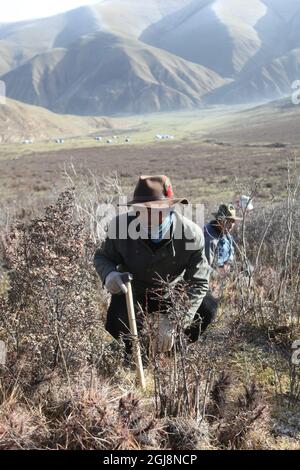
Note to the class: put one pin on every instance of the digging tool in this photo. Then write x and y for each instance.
(3, 353)
(127, 278)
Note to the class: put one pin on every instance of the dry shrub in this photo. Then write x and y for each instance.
(218, 395)
(96, 417)
(270, 224)
(111, 359)
(187, 434)
(234, 433)
(184, 379)
(176, 376)
(50, 316)
(84, 418)
(240, 418)
(21, 426)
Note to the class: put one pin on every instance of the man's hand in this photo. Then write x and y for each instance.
(114, 283)
(226, 268)
(164, 335)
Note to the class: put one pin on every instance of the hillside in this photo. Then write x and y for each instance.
(19, 121)
(275, 122)
(120, 76)
(125, 56)
(265, 83)
(127, 17)
(217, 34)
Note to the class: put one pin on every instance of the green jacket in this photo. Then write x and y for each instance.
(182, 258)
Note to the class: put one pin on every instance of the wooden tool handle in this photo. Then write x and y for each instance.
(127, 278)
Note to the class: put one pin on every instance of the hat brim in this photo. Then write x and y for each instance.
(238, 219)
(156, 203)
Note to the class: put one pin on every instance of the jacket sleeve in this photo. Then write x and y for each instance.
(210, 249)
(107, 257)
(197, 275)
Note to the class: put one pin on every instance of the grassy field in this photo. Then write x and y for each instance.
(142, 130)
(201, 171)
(204, 166)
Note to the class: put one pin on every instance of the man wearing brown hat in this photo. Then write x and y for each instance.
(219, 244)
(158, 245)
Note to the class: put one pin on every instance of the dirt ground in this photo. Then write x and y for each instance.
(204, 172)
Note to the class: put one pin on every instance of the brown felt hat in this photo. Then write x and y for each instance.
(154, 191)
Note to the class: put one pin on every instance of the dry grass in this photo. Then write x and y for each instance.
(205, 172)
(65, 385)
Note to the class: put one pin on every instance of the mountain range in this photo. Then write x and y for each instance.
(133, 57)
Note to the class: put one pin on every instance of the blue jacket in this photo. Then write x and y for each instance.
(219, 248)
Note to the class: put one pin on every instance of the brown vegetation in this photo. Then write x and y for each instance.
(65, 385)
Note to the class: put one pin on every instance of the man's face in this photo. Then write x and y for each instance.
(152, 217)
(226, 225)
(229, 225)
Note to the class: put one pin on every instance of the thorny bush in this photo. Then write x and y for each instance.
(49, 315)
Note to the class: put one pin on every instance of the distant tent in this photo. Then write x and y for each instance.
(164, 136)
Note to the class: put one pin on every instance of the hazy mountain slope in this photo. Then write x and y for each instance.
(20, 121)
(12, 55)
(279, 33)
(29, 38)
(59, 30)
(132, 17)
(251, 42)
(269, 82)
(127, 17)
(218, 34)
(274, 122)
(123, 56)
(5, 58)
(270, 73)
(294, 31)
(106, 75)
(285, 9)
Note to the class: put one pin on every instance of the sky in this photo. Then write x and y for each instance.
(19, 10)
